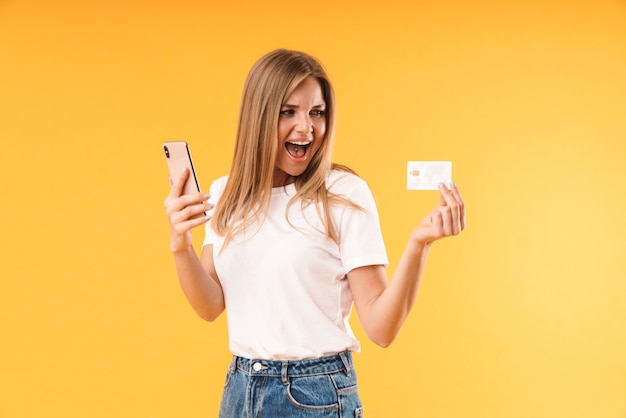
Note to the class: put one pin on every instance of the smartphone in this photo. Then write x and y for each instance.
(178, 157)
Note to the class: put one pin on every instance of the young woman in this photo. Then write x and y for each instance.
(293, 242)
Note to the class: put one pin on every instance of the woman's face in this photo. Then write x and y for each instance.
(301, 129)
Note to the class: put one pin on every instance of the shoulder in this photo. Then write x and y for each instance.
(218, 186)
(350, 186)
(221, 180)
(344, 182)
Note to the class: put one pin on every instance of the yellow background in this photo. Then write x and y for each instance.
(524, 315)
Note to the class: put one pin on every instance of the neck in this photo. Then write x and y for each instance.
(282, 179)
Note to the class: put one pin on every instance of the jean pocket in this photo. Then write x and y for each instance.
(229, 377)
(314, 393)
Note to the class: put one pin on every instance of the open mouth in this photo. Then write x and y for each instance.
(297, 149)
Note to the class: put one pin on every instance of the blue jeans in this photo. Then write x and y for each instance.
(325, 387)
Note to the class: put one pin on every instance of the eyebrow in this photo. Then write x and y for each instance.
(293, 106)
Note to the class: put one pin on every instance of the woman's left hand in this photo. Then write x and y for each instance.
(447, 219)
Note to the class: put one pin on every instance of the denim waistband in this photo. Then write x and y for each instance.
(308, 367)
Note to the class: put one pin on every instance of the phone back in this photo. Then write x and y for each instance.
(178, 157)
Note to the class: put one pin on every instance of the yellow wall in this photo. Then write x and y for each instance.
(522, 316)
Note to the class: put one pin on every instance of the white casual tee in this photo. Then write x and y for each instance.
(284, 281)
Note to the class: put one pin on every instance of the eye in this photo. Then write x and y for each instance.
(286, 112)
(317, 112)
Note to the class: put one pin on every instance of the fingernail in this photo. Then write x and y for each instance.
(452, 184)
(184, 169)
(442, 186)
(207, 196)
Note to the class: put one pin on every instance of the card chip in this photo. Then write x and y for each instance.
(427, 175)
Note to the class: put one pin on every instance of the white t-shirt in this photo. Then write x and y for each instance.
(285, 286)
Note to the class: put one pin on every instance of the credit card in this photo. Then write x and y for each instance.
(426, 175)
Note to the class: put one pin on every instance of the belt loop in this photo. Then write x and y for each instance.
(233, 365)
(344, 359)
(283, 373)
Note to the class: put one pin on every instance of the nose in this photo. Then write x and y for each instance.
(304, 123)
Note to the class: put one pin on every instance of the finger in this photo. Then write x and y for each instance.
(182, 205)
(450, 199)
(442, 199)
(436, 221)
(447, 220)
(455, 213)
(185, 226)
(456, 193)
(196, 211)
(446, 197)
(177, 187)
(193, 212)
(193, 198)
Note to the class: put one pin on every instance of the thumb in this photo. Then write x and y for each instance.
(442, 190)
(442, 200)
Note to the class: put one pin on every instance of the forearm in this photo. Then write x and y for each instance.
(203, 292)
(384, 306)
(391, 307)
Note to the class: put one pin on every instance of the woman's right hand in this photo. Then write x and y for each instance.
(184, 213)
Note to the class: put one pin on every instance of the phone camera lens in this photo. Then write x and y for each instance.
(167, 151)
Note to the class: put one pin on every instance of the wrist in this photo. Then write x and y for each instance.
(419, 241)
(417, 244)
(179, 248)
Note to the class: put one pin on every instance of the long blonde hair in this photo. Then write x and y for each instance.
(248, 190)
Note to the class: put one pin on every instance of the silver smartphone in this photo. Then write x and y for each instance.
(178, 157)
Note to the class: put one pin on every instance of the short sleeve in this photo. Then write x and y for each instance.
(215, 192)
(361, 241)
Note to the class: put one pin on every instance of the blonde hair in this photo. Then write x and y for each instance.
(248, 190)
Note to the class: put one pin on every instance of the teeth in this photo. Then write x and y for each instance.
(300, 143)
